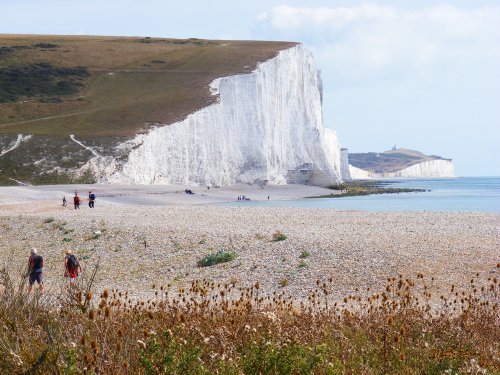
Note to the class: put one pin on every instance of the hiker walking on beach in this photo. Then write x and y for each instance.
(71, 266)
(65, 202)
(91, 199)
(35, 268)
(76, 201)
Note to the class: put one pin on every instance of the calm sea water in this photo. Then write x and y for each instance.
(479, 194)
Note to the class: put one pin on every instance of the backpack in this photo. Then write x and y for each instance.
(76, 199)
(37, 262)
(92, 196)
(72, 262)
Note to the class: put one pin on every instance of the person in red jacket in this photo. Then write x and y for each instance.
(76, 201)
(71, 266)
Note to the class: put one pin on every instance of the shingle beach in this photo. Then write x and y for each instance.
(139, 245)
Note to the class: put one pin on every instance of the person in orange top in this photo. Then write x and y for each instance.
(76, 201)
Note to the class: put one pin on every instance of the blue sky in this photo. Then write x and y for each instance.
(419, 74)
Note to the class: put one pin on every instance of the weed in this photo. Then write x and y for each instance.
(283, 282)
(48, 220)
(304, 254)
(303, 264)
(260, 236)
(66, 239)
(279, 236)
(225, 328)
(220, 256)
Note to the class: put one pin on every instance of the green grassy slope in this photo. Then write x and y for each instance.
(131, 82)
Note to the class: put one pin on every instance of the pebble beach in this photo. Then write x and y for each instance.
(139, 242)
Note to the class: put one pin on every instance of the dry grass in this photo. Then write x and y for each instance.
(229, 329)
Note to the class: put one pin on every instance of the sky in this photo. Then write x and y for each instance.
(423, 75)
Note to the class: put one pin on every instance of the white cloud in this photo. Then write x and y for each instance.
(373, 40)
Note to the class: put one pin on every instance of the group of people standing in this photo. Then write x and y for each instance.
(77, 200)
(72, 268)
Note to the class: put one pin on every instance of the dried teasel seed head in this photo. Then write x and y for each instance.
(105, 294)
(107, 312)
(87, 358)
(92, 314)
(150, 315)
(88, 296)
(93, 344)
(83, 340)
(120, 332)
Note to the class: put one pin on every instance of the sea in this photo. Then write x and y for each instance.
(470, 194)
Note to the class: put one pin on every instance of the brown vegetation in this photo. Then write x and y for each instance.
(229, 329)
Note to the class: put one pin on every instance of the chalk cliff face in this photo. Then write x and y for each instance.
(266, 127)
(345, 173)
(432, 168)
(358, 173)
(426, 169)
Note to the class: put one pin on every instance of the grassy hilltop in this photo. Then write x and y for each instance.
(113, 86)
(104, 90)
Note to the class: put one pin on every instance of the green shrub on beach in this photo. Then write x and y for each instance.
(283, 282)
(304, 254)
(220, 256)
(279, 236)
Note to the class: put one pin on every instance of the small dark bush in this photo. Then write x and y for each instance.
(45, 45)
(39, 80)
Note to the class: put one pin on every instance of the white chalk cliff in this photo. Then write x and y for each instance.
(266, 127)
(427, 169)
(345, 172)
(431, 168)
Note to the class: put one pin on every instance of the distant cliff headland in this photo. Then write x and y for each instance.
(398, 163)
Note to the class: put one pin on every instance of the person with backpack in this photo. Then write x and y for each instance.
(76, 201)
(91, 199)
(71, 266)
(35, 269)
